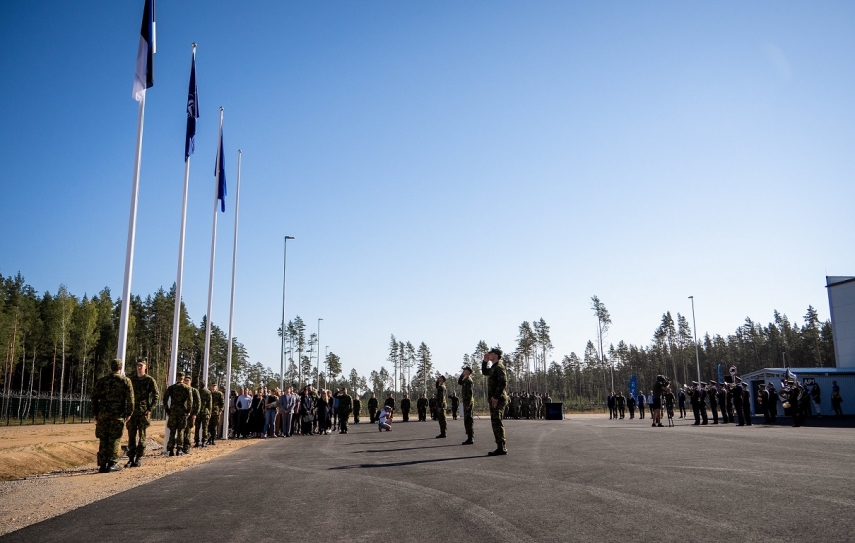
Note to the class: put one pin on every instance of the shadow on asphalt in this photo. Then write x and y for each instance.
(410, 463)
(390, 441)
(405, 449)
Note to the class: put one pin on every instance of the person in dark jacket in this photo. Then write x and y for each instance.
(630, 403)
(372, 407)
(621, 403)
(612, 403)
(405, 408)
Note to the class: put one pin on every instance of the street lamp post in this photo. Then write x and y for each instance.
(282, 343)
(327, 364)
(318, 369)
(695, 327)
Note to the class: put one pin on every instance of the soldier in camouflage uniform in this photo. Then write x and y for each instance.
(178, 400)
(146, 397)
(345, 406)
(218, 403)
(466, 384)
(497, 381)
(200, 438)
(112, 406)
(440, 399)
(194, 410)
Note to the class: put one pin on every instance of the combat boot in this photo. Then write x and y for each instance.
(130, 462)
(441, 436)
(103, 469)
(136, 463)
(196, 445)
(468, 442)
(171, 452)
(498, 452)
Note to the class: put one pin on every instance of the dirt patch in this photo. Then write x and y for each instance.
(50, 470)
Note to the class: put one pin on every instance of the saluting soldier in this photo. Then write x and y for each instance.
(194, 410)
(177, 401)
(406, 404)
(146, 397)
(466, 384)
(200, 437)
(345, 406)
(440, 399)
(112, 406)
(422, 406)
(736, 393)
(218, 403)
(497, 382)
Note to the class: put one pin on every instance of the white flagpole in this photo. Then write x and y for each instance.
(232, 303)
(176, 319)
(211, 277)
(132, 233)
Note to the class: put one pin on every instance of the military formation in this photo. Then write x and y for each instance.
(119, 402)
(527, 405)
(717, 402)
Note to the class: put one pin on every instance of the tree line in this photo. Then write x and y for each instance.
(57, 344)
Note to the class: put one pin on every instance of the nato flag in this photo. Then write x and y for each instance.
(220, 172)
(192, 111)
(144, 77)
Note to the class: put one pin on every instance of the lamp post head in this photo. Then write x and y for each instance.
(289, 237)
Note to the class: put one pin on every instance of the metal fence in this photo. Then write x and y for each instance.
(21, 410)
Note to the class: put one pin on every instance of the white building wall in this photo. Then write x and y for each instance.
(841, 301)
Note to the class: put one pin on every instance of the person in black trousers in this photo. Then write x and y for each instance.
(630, 403)
(612, 403)
(681, 403)
(694, 392)
(405, 408)
(712, 392)
(722, 403)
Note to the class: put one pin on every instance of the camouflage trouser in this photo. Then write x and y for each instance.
(342, 420)
(184, 441)
(109, 430)
(201, 435)
(214, 425)
(137, 426)
(468, 423)
(440, 416)
(176, 424)
(496, 421)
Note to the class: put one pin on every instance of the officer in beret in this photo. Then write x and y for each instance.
(497, 382)
(466, 384)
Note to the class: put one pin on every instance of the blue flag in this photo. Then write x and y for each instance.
(144, 77)
(633, 384)
(192, 111)
(220, 173)
(720, 378)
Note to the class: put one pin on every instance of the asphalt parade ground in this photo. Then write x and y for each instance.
(582, 479)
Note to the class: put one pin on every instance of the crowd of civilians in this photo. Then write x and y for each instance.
(274, 413)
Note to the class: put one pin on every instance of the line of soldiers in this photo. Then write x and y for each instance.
(527, 405)
(731, 400)
(191, 408)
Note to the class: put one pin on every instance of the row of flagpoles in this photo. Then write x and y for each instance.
(143, 80)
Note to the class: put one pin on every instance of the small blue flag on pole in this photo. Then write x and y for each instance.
(220, 173)
(144, 77)
(633, 384)
(192, 110)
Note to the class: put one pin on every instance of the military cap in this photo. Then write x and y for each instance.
(116, 364)
(179, 375)
(467, 368)
(712, 382)
(695, 382)
(142, 362)
(497, 351)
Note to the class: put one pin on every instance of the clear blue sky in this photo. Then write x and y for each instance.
(449, 169)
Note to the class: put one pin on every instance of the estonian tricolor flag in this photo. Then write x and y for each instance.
(144, 77)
